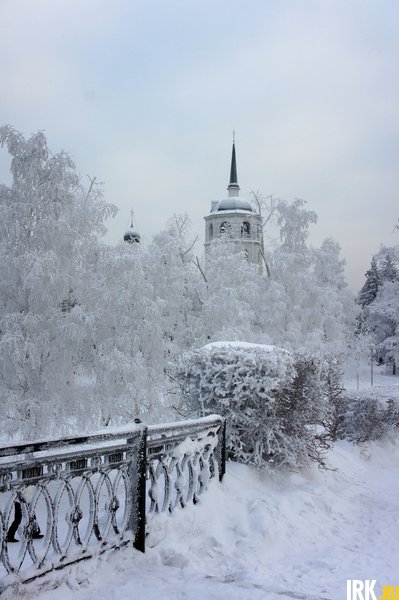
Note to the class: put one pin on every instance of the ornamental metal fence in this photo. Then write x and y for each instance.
(181, 459)
(65, 500)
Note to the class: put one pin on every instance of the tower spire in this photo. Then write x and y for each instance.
(233, 187)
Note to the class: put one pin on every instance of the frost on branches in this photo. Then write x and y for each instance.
(88, 333)
(366, 416)
(307, 306)
(85, 330)
(48, 239)
(274, 401)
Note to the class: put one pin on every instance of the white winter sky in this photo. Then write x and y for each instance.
(145, 95)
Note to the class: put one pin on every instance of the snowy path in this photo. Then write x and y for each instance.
(254, 538)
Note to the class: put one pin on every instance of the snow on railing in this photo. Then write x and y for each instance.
(65, 500)
(181, 458)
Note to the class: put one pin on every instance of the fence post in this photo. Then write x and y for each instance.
(140, 493)
(222, 450)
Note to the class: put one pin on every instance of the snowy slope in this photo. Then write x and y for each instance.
(299, 536)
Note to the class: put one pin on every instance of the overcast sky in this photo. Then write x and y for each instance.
(145, 95)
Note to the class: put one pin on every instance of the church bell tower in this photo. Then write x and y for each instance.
(234, 219)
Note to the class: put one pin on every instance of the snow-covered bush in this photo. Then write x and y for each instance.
(357, 416)
(274, 401)
(363, 417)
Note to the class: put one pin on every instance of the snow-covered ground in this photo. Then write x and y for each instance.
(384, 383)
(253, 537)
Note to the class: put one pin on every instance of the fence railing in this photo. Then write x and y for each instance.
(64, 500)
(181, 458)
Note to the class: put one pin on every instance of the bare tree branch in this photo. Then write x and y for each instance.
(197, 264)
(92, 182)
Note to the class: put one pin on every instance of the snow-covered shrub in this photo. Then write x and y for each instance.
(274, 401)
(309, 405)
(353, 415)
(363, 417)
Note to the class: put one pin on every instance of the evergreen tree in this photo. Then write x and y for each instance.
(369, 291)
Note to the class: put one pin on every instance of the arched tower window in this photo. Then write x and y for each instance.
(211, 231)
(225, 228)
(246, 229)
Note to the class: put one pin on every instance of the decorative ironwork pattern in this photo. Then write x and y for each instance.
(181, 459)
(65, 500)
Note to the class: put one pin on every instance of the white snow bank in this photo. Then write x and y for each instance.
(257, 538)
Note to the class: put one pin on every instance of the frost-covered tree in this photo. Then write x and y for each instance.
(233, 296)
(307, 306)
(288, 304)
(294, 221)
(389, 271)
(387, 301)
(128, 361)
(176, 284)
(49, 229)
(335, 310)
(379, 299)
(384, 313)
(329, 266)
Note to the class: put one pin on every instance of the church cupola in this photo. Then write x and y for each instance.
(131, 235)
